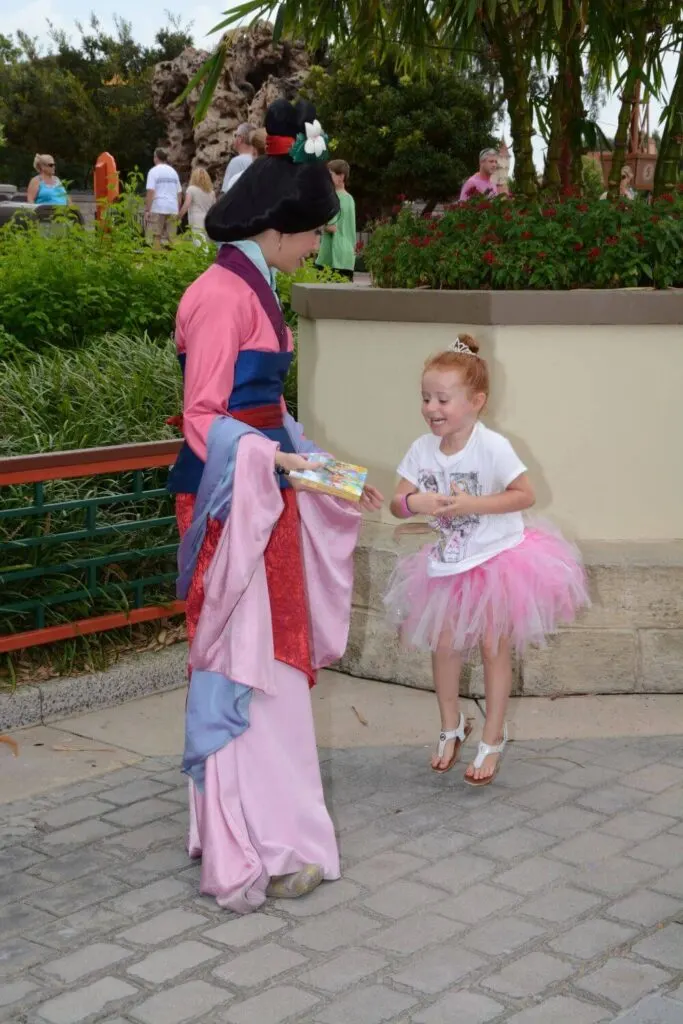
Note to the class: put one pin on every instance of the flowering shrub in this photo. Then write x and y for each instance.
(515, 244)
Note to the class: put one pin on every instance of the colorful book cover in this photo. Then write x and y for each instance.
(340, 479)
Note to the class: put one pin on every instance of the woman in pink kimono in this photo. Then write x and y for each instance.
(266, 571)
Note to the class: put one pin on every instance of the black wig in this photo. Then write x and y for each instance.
(275, 193)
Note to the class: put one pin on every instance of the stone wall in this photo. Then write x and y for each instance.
(256, 72)
(586, 385)
(629, 641)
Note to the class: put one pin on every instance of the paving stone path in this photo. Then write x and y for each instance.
(553, 897)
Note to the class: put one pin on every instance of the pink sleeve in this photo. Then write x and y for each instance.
(211, 339)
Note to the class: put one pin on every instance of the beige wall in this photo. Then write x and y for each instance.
(596, 412)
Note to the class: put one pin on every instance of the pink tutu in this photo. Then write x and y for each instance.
(522, 594)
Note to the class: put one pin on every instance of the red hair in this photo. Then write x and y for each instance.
(474, 369)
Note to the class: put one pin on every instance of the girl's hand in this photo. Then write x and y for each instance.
(465, 504)
(431, 504)
(371, 499)
(290, 463)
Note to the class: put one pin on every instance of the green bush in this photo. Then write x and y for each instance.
(76, 284)
(516, 244)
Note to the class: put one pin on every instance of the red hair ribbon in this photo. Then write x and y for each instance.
(278, 145)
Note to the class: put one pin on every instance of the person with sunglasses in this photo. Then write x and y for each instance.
(46, 189)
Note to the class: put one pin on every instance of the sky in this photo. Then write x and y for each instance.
(146, 18)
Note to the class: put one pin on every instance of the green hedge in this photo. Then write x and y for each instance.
(515, 244)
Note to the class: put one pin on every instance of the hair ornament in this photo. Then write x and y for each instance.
(460, 346)
(311, 146)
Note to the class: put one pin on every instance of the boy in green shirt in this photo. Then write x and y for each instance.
(338, 244)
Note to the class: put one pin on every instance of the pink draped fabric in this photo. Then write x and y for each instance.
(263, 812)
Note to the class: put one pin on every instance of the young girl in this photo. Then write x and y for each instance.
(487, 582)
(338, 245)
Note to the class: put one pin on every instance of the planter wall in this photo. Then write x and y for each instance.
(586, 385)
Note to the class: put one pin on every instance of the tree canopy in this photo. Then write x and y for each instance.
(82, 98)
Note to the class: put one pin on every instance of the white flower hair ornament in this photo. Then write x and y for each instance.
(311, 146)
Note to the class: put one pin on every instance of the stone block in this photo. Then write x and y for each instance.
(83, 892)
(18, 885)
(644, 908)
(166, 964)
(17, 954)
(502, 935)
(155, 895)
(374, 651)
(16, 992)
(79, 1004)
(162, 928)
(339, 928)
(535, 874)
(623, 981)
(592, 938)
(277, 1004)
(141, 813)
(140, 839)
(439, 969)
(656, 1009)
(560, 905)
(462, 1006)
(664, 947)
(618, 875)
(589, 848)
(415, 933)
(244, 931)
(529, 975)
(78, 835)
(72, 865)
(401, 898)
(666, 850)
(478, 902)
(456, 873)
(343, 971)
(655, 778)
(183, 1003)
(154, 865)
(89, 960)
(372, 1005)
(634, 592)
(566, 821)
(561, 1010)
(75, 811)
(583, 661)
(384, 868)
(19, 858)
(662, 660)
(139, 789)
(258, 966)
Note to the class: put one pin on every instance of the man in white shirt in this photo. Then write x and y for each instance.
(244, 155)
(162, 200)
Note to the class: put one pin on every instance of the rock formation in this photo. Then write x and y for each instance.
(256, 72)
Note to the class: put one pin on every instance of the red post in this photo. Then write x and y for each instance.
(106, 183)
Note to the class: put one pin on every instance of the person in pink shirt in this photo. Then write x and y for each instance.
(482, 182)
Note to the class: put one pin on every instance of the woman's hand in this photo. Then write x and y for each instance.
(371, 499)
(431, 504)
(288, 462)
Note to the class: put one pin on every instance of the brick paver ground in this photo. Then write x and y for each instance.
(553, 897)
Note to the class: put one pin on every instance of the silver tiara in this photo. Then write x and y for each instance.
(460, 346)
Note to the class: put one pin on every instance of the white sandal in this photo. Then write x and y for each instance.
(459, 735)
(483, 751)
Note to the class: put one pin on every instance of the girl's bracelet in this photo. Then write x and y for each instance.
(405, 507)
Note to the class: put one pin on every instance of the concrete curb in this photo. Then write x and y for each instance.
(136, 675)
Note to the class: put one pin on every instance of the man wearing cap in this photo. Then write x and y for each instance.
(482, 182)
(244, 155)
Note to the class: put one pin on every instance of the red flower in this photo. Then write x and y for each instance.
(593, 253)
(484, 205)
(549, 211)
(462, 226)
(611, 240)
(655, 219)
(640, 239)
(578, 246)
(489, 257)
(541, 255)
(582, 207)
(666, 197)
(360, 246)
(401, 198)
(526, 235)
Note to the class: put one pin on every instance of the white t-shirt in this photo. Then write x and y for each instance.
(201, 203)
(163, 180)
(235, 168)
(486, 465)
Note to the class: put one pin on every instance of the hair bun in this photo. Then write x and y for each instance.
(287, 119)
(468, 340)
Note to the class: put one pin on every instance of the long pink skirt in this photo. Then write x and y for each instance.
(522, 594)
(262, 812)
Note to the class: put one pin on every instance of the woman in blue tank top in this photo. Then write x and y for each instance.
(46, 189)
